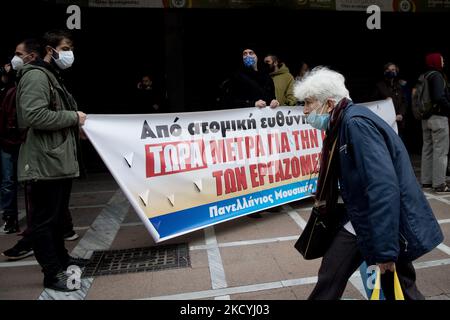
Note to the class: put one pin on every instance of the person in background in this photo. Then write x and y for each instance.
(304, 69)
(8, 205)
(148, 98)
(282, 79)
(390, 87)
(5, 78)
(435, 130)
(250, 87)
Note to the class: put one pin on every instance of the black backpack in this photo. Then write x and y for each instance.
(422, 106)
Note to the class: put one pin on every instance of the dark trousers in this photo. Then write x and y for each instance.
(343, 258)
(50, 200)
(26, 240)
(8, 183)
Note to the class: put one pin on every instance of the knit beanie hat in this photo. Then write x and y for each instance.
(433, 60)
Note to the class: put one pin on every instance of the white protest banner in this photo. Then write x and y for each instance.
(385, 110)
(188, 171)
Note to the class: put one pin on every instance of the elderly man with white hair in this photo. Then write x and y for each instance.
(388, 221)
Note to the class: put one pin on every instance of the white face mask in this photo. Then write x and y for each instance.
(65, 60)
(17, 63)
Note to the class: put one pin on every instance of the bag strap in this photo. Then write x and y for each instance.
(328, 166)
(397, 287)
(376, 290)
(429, 73)
(427, 76)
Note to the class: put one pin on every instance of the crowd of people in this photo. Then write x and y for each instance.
(41, 128)
(40, 148)
(272, 85)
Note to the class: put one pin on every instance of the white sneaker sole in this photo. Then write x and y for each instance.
(72, 238)
(25, 255)
(442, 192)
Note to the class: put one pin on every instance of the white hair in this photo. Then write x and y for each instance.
(321, 83)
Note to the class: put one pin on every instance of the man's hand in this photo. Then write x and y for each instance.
(260, 104)
(83, 135)
(399, 117)
(388, 266)
(81, 118)
(274, 103)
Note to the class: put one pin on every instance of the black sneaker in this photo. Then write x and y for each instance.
(59, 282)
(443, 189)
(80, 262)
(71, 236)
(11, 225)
(19, 251)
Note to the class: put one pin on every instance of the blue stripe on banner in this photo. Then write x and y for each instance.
(211, 213)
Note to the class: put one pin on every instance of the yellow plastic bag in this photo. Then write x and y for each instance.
(397, 288)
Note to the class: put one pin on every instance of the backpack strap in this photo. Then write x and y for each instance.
(428, 74)
(56, 85)
(51, 81)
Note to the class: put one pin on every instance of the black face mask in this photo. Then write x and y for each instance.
(267, 68)
(390, 74)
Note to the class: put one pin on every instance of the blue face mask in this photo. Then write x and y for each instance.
(318, 121)
(249, 61)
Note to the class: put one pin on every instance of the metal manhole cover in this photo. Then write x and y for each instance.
(138, 260)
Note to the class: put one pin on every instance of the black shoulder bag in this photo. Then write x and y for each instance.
(322, 225)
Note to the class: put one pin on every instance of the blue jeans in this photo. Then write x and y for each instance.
(8, 184)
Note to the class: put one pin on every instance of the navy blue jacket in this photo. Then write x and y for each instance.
(385, 203)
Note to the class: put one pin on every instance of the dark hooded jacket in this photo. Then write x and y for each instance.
(246, 87)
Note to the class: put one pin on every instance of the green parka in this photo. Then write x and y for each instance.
(284, 86)
(48, 110)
